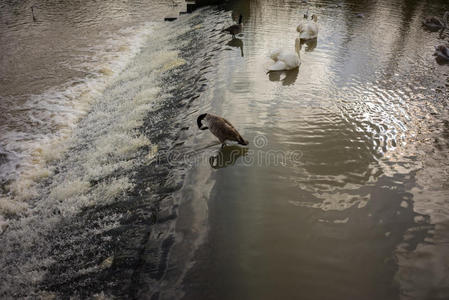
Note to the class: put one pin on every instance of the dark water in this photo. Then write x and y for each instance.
(342, 193)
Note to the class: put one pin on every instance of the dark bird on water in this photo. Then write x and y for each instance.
(433, 23)
(32, 12)
(221, 128)
(442, 52)
(236, 28)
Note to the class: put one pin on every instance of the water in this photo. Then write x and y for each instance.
(114, 192)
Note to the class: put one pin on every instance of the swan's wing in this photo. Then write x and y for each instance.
(278, 66)
(304, 33)
(314, 28)
(309, 32)
(290, 59)
(274, 55)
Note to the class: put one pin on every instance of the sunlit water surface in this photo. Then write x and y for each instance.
(342, 194)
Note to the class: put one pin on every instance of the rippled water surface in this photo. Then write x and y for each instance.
(111, 190)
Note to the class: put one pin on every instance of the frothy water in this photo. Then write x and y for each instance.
(53, 69)
(110, 178)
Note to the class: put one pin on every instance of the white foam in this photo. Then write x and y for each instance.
(69, 189)
(87, 163)
(11, 207)
(60, 108)
(110, 129)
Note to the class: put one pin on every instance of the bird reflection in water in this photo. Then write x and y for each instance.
(287, 77)
(236, 43)
(310, 44)
(227, 156)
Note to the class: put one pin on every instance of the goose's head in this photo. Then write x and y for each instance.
(200, 123)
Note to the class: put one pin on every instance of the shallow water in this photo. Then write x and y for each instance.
(341, 194)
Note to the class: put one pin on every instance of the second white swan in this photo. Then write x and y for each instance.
(308, 29)
(285, 59)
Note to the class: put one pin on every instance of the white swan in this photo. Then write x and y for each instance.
(285, 59)
(308, 29)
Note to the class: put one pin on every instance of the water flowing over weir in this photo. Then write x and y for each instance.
(104, 222)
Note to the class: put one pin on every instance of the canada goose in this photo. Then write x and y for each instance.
(309, 29)
(285, 59)
(221, 128)
(442, 52)
(32, 12)
(433, 23)
(236, 28)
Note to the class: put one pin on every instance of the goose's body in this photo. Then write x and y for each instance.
(284, 60)
(236, 28)
(433, 23)
(221, 128)
(442, 51)
(308, 29)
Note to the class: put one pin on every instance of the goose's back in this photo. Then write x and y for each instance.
(221, 128)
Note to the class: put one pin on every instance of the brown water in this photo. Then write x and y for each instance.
(342, 193)
(363, 213)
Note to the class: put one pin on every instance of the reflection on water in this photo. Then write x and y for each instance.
(310, 44)
(227, 156)
(236, 43)
(287, 77)
(349, 221)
